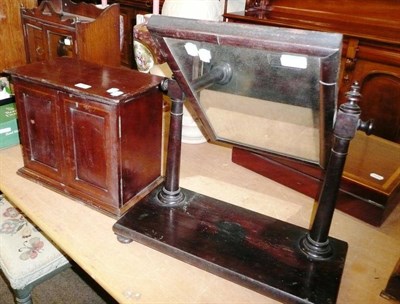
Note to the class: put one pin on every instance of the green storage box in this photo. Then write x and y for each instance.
(9, 133)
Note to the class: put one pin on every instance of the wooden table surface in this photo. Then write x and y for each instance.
(134, 273)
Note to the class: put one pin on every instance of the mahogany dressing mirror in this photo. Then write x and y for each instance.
(263, 89)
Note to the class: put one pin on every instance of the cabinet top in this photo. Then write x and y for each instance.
(111, 84)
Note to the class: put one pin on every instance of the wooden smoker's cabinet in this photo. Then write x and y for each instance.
(62, 28)
(79, 139)
(371, 49)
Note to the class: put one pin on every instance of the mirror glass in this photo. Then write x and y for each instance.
(269, 101)
(276, 93)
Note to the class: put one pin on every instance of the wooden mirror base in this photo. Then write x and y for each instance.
(248, 248)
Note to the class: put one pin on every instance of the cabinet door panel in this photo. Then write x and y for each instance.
(40, 121)
(91, 141)
(381, 98)
(35, 43)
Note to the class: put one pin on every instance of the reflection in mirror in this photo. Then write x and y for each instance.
(265, 101)
(256, 87)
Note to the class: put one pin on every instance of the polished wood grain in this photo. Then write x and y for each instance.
(11, 37)
(255, 251)
(93, 32)
(361, 195)
(344, 16)
(128, 10)
(104, 150)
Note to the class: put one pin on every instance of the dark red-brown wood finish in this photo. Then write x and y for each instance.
(278, 259)
(128, 11)
(104, 150)
(92, 33)
(360, 195)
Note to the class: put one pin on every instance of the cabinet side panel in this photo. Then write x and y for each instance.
(141, 142)
(98, 41)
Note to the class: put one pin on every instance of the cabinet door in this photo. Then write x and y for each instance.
(38, 113)
(35, 43)
(46, 42)
(91, 141)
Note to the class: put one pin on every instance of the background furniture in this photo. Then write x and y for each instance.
(63, 28)
(27, 257)
(128, 10)
(371, 50)
(9, 131)
(11, 33)
(90, 131)
(136, 273)
(370, 187)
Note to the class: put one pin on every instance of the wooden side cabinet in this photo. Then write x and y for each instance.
(90, 131)
(62, 28)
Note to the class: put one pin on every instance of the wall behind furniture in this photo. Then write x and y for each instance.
(11, 37)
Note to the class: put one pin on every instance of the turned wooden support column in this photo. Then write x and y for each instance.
(171, 194)
(316, 243)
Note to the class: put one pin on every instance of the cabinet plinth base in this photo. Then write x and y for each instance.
(248, 248)
(111, 210)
